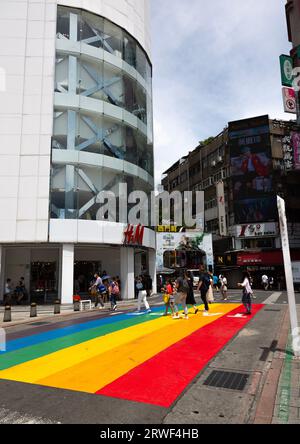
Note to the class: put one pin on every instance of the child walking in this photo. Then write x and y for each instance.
(169, 298)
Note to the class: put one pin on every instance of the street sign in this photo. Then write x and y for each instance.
(289, 100)
(286, 65)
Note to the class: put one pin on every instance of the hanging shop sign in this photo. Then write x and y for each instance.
(288, 153)
(289, 100)
(286, 66)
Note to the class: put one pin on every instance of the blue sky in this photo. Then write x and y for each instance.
(213, 61)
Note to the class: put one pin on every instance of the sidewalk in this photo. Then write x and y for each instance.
(280, 397)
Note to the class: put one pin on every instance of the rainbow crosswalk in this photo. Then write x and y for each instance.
(148, 358)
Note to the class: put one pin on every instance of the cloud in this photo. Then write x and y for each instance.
(213, 62)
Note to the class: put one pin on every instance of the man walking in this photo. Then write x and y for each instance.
(203, 286)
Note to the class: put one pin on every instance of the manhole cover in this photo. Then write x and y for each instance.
(272, 309)
(227, 380)
(40, 323)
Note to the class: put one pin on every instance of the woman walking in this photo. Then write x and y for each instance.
(210, 294)
(247, 292)
(142, 297)
(224, 287)
(190, 300)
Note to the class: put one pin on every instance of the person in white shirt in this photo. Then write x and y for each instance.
(265, 281)
(247, 292)
(224, 288)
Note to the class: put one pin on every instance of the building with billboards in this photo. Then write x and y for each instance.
(75, 120)
(241, 171)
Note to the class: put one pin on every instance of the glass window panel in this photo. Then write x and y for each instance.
(63, 23)
(129, 50)
(113, 39)
(113, 90)
(91, 30)
(141, 61)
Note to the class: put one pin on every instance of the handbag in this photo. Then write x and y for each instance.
(166, 298)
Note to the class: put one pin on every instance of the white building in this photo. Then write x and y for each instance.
(75, 119)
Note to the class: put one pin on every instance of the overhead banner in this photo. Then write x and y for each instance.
(289, 100)
(221, 208)
(286, 66)
(251, 171)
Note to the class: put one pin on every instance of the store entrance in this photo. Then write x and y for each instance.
(84, 274)
(43, 282)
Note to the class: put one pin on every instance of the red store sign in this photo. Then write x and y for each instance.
(134, 235)
(264, 258)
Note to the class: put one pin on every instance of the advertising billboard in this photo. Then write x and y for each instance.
(183, 250)
(251, 170)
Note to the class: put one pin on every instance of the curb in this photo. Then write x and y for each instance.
(266, 404)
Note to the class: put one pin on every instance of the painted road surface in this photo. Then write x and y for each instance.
(147, 358)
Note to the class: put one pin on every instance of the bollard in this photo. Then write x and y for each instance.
(7, 314)
(57, 307)
(33, 312)
(76, 306)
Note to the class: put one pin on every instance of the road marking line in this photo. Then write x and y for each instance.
(273, 298)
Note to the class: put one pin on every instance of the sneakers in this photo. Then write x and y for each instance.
(205, 313)
(176, 317)
(114, 308)
(149, 311)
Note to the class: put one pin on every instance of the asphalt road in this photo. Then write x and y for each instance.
(191, 349)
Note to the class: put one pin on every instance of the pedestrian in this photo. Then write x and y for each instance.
(224, 288)
(265, 282)
(271, 282)
(190, 300)
(118, 281)
(8, 292)
(148, 285)
(169, 298)
(216, 281)
(142, 297)
(136, 290)
(20, 291)
(247, 292)
(203, 286)
(98, 289)
(210, 293)
(182, 287)
(114, 292)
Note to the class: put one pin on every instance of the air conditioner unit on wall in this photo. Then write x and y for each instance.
(220, 159)
(213, 164)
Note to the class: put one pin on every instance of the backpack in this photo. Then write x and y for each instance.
(185, 285)
(139, 286)
(115, 288)
(101, 288)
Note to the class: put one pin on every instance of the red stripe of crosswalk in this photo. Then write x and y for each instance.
(161, 379)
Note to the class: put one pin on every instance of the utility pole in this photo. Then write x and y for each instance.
(289, 276)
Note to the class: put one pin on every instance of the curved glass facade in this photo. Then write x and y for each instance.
(103, 114)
